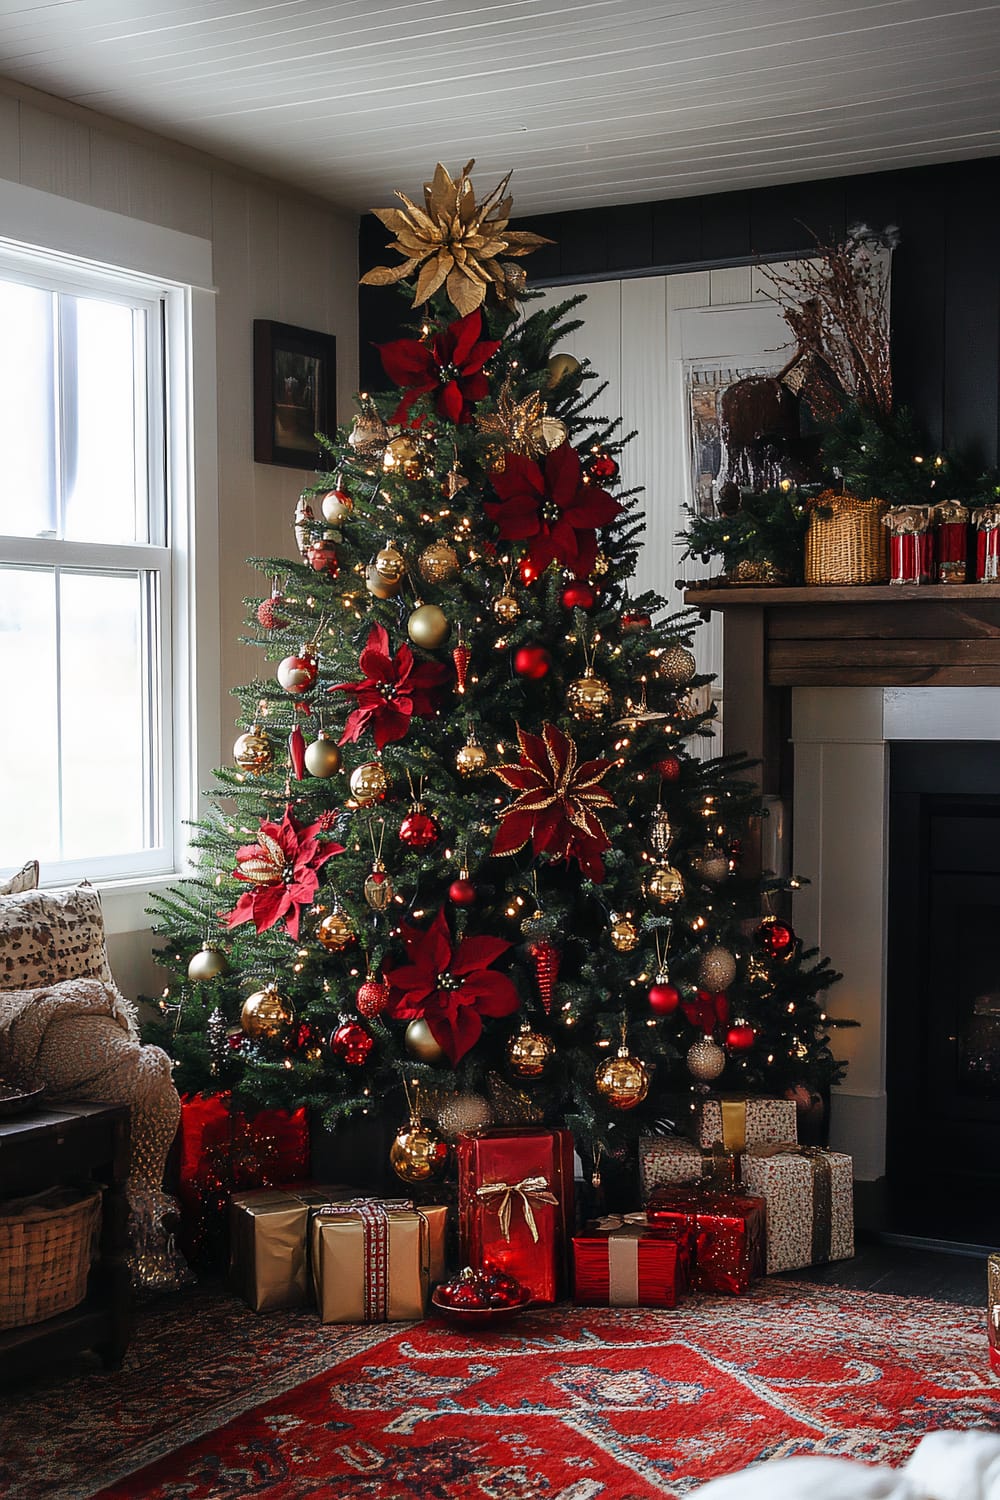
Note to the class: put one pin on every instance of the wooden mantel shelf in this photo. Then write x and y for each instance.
(724, 596)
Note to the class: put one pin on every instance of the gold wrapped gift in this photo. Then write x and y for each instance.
(375, 1262)
(268, 1243)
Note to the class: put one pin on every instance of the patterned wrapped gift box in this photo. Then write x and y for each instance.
(625, 1262)
(810, 1203)
(665, 1160)
(373, 1261)
(993, 1310)
(729, 1234)
(738, 1120)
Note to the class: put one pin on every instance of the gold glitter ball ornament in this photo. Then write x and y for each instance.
(588, 697)
(266, 1013)
(253, 752)
(421, 1043)
(529, 1052)
(438, 563)
(322, 756)
(624, 935)
(428, 626)
(717, 969)
(369, 435)
(369, 783)
(705, 1060)
(622, 1081)
(665, 885)
(676, 666)
(710, 864)
(418, 1153)
(506, 609)
(336, 931)
(462, 1113)
(208, 963)
(390, 564)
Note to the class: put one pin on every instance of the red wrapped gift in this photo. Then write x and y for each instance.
(624, 1261)
(729, 1234)
(987, 523)
(952, 541)
(223, 1150)
(515, 1205)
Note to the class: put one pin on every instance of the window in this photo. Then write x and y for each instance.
(97, 551)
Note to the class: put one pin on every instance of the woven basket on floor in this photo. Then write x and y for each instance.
(846, 541)
(46, 1246)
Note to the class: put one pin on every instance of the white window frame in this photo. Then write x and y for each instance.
(71, 246)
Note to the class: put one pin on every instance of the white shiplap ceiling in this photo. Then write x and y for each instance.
(594, 102)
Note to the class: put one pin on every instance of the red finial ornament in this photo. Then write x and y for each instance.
(545, 957)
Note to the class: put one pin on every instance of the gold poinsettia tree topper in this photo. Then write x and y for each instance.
(456, 242)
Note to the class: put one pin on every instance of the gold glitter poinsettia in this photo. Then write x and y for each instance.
(520, 427)
(456, 241)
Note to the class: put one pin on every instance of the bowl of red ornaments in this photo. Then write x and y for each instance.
(478, 1298)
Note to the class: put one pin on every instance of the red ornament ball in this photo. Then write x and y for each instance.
(297, 674)
(462, 892)
(532, 662)
(419, 830)
(528, 571)
(579, 595)
(502, 1290)
(470, 1294)
(322, 557)
(373, 997)
(776, 939)
(740, 1038)
(664, 999)
(268, 612)
(351, 1043)
(668, 768)
(602, 466)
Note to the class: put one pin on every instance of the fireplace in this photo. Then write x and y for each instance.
(943, 992)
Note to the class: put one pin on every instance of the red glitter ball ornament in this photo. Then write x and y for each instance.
(601, 466)
(372, 997)
(775, 938)
(740, 1037)
(269, 612)
(579, 595)
(418, 829)
(668, 768)
(532, 662)
(664, 999)
(462, 892)
(351, 1043)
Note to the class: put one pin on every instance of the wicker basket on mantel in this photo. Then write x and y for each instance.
(846, 541)
(46, 1247)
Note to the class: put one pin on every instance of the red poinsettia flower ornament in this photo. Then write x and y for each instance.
(452, 986)
(283, 869)
(707, 1010)
(556, 806)
(551, 509)
(393, 689)
(450, 366)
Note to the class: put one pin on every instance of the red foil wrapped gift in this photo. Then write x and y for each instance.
(729, 1234)
(624, 1261)
(515, 1205)
(951, 520)
(222, 1151)
(986, 520)
(911, 544)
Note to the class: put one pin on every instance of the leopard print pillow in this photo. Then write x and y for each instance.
(48, 936)
(26, 879)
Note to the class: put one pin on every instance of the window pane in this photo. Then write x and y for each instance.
(27, 395)
(103, 714)
(29, 759)
(105, 406)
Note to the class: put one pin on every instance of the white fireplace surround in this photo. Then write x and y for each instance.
(841, 804)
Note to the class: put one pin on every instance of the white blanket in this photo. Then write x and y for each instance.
(944, 1466)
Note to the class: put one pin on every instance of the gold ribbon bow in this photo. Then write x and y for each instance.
(528, 1189)
(610, 1222)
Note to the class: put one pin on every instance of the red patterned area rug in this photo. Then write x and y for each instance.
(568, 1404)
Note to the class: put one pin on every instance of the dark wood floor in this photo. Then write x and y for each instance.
(906, 1271)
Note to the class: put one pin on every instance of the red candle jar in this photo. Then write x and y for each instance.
(952, 541)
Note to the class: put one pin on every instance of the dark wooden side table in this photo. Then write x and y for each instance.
(73, 1145)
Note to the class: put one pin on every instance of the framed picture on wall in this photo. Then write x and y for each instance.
(294, 393)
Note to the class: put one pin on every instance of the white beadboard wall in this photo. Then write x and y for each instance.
(276, 254)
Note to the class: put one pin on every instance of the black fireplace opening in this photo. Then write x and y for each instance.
(943, 992)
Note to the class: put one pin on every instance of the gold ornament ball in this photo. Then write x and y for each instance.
(471, 760)
(322, 757)
(588, 697)
(717, 969)
(602, 565)
(418, 1153)
(529, 1052)
(705, 1060)
(379, 587)
(337, 507)
(559, 367)
(665, 885)
(624, 936)
(253, 752)
(676, 666)
(369, 782)
(266, 1013)
(428, 627)
(208, 963)
(438, 563)
(399, 451)
(390, 564)
(336, 931)
(420, 1042)
(506, 609)
(622, 1081)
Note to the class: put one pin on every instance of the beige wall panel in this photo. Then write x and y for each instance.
(10, 139)
(110, 171)
(55, 154)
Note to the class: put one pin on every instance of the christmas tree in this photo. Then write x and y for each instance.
(464, 862)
